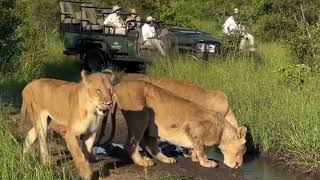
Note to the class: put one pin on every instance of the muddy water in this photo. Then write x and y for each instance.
(255, 168)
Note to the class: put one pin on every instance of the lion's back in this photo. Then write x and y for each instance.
(54, 96)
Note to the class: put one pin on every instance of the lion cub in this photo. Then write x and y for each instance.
(79, 107)
(178, 121)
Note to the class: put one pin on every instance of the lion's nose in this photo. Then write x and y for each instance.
(105, 106)
(109, 102)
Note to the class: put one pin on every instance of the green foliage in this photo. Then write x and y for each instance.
(40, 23)
(305, 44)
(294, 75)
(177, 13)
(10, 46)
(230, 44)
(274, 27)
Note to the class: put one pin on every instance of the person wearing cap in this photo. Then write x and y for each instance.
(132, 19)
(232, 26)
(115, 20)
(149, 35)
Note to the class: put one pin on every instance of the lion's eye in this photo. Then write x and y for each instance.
(99, 91)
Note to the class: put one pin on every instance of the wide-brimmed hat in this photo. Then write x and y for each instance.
(149, 19)
(116, 8)
(133, 11)
(236, 11)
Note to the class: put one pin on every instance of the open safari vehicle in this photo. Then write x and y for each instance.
(98, 45)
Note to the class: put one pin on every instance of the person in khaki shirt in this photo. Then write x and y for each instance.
(115, 20)
(150, 36)
(131, 21)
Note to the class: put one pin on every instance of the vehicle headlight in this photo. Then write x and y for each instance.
(201, 46)
(211, 48)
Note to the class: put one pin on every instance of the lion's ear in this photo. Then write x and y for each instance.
(242, 131)
(84, 76)
(110, 74)
(107, 71)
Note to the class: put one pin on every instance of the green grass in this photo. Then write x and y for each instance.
(282, 120)
(14, 165)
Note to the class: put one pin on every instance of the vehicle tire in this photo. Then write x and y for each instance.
(94, 60)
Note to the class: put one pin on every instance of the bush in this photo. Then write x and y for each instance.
(10, 46)
(39, 23)
(176, 13)
(294, 75)
(305, 44)
(274, 27)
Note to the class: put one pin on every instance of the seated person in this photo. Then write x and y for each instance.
(132, 19)
(232, 26)
(149, 36)
(115, 20)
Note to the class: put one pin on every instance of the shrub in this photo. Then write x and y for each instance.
(305, 44)
(10, 46)
(294, 75)
(274, 27)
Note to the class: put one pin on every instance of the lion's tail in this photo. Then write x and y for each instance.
(26, 106)
(23, 111)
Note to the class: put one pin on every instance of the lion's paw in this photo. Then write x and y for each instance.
(147, 162)
(169, 160)
(208, 164)
(85, 172)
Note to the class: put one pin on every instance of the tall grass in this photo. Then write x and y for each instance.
(281, 120)
(14, 165)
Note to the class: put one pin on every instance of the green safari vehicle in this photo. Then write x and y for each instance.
(99, 46)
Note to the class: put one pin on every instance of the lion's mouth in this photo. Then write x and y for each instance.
(104, 107)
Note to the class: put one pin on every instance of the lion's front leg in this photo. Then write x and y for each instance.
(189, 153)
(89, 142)
(202, 158)
(153, 149)
(194, 131)
(80, 162)
(132, 148)
(135, 135)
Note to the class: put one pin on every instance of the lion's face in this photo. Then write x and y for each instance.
(99, 89)
(233, 147)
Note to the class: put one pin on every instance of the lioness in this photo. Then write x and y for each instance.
(214, 100)
(178, 121)
(79, 107)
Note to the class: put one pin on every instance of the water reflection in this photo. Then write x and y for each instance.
(255, 168)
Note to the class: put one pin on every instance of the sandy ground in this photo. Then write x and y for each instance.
(120, 167)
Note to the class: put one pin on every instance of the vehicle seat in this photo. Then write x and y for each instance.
(67, 15)
(89, 19)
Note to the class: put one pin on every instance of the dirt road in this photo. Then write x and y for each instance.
(124, 169)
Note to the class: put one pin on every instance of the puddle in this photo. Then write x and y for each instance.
(259, 169)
